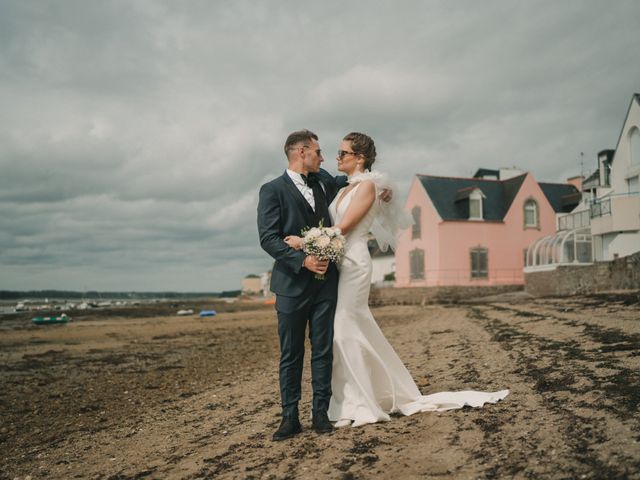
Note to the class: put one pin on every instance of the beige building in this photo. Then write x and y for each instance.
(252, 285)
(383, 265)
(606, 223)
(265, 280)
(615, 213)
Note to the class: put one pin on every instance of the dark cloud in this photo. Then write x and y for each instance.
(134, 136)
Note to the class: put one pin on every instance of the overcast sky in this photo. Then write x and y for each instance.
(134, 135)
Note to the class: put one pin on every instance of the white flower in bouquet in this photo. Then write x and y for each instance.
(326, 243)
(313, 232)
(337, 243)
(323, 241)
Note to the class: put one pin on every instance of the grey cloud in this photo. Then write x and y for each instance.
(138, 134)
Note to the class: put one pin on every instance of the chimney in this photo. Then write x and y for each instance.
(576, 182)
(605, 158)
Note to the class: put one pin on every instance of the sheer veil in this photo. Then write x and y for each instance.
(390, 217)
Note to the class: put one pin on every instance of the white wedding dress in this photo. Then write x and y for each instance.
(369, 380)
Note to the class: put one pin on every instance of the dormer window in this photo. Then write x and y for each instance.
(475, 205)
(471, 199)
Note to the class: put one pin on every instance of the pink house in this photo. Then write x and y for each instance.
(475, 231)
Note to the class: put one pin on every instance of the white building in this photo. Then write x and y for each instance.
(265, 280)
(606, 223)
(251, 285)
(383, 264)
(615, 213)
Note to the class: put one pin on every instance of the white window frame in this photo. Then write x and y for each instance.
(476, 196)
(634, 147)
(536, 213)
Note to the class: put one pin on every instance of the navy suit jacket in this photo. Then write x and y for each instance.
(282, 211)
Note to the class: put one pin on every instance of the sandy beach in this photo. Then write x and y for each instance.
(142, 393)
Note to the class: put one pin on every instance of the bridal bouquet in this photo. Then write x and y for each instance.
(326, 243)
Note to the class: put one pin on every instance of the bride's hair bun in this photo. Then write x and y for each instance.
(363, 145)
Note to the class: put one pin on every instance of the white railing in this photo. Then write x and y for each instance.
(602, 206)
(574, 220)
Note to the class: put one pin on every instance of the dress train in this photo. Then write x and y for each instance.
(369, 380)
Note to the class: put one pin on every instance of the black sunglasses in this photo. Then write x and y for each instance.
(343, 153)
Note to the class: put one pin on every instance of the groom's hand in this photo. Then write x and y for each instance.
(316, 265)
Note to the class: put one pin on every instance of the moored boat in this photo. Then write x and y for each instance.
(50, 320)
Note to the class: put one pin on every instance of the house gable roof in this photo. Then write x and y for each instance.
(444, 191)
(634, 98)
(592, 180)
(465, 193)
(563, 197)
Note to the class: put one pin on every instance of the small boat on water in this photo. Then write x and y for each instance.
(185, 312)
(20, 307)
(50, 320)
(208, 313)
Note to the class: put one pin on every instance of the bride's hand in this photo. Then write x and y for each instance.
(293, 241)
(386, 195)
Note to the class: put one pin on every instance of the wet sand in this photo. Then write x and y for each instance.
(140, 393)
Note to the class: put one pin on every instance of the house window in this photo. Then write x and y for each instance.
(634, 149)
(479, 263)
(633, 184)
(416, 261)
(415, 229)
(530, 214)
(606, 168)
(475, 205)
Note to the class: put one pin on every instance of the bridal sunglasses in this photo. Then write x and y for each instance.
(344, 153)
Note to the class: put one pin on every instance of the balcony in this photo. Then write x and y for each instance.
(615, 213)
(574, 220)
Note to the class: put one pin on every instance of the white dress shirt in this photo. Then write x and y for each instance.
(305, 189)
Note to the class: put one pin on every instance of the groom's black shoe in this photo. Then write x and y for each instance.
(289, 427)
(321, 423)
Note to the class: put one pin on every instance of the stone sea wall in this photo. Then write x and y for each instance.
(619, 274)
(427, 295)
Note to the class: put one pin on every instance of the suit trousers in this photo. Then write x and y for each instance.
(316, 307)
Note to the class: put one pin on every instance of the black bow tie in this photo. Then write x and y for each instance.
(310, 179)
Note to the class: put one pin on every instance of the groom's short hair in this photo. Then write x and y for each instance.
(298, 137)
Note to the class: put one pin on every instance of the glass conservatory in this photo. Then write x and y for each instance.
(566, 247)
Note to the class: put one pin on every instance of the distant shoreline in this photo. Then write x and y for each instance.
(41, 295)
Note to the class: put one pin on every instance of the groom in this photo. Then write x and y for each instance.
(299, 199)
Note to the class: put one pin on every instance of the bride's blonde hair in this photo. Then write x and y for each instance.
(363, 145)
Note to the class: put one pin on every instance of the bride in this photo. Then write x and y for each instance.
(369, 380)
